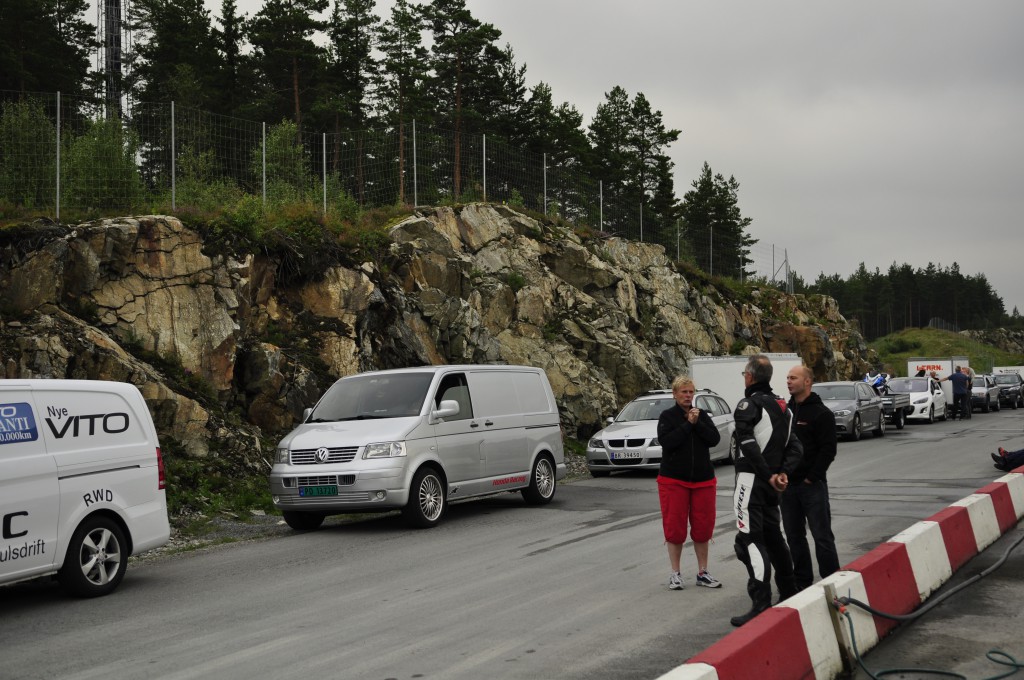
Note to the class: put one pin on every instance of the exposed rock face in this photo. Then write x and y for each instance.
(211, 339)
(1008, 340)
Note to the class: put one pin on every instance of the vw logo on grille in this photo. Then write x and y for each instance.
(322, 454)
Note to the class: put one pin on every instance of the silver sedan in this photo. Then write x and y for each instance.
(857, 408)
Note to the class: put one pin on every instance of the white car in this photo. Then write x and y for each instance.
(927, 400)
(630, 442)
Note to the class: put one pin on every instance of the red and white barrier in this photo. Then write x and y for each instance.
(896, 577)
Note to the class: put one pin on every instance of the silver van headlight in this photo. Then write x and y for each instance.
(282, 455)
(384, 450)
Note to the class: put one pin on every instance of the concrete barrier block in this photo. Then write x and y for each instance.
(851, 584)
(983, 518)
(1015, 482)
(928, 557)
(958, 534)
(889, 582)
(691, 671)
(816, 620)
(769, 646)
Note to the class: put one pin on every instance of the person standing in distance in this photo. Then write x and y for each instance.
(805, 503)
(766, 455)
(961, 392)
(686, 481)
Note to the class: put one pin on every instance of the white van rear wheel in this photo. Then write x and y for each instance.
(96, 559)
(427, 501)
(542, 482)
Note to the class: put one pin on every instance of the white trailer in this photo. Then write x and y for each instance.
(996, 370)
(723, 374)
(941, 366)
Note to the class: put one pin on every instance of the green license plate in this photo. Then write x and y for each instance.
(306, 491)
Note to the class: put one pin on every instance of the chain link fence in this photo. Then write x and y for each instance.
(60, 155)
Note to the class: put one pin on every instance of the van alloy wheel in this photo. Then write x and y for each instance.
(96, 559)
(426, 503)
(542, 482)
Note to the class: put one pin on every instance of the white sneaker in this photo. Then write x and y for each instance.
(707, 580)
(675, 581)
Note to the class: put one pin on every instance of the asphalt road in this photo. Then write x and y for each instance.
(575, 589)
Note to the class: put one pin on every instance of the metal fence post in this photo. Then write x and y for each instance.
(415, 198)
(264, 164)
(545, 184)
(58, 156)
(325, 174)
(485, 168)
(600, 201)
(173, 185)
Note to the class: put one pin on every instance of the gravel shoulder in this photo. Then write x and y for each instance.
(227, 528)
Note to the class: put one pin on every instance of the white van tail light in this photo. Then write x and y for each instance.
(161, 475)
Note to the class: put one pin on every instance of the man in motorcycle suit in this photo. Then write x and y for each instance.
(767, 454)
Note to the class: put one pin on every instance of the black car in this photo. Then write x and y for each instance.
(1011, 389)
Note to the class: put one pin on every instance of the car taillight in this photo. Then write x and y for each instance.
(161, 475)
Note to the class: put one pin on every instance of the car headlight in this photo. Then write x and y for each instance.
(842, 412)
(922, 400)
(384, 450)
(282, 455)
(655, 442)
(595, 444)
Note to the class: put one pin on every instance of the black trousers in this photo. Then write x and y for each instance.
(807, 506)
(761, 547)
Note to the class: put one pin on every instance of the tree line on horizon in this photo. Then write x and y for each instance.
(908, 297)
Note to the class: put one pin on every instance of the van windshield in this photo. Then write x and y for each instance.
(394, 395)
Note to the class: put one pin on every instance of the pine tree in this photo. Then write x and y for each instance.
(228, 40)
(712, 220)
(353, 34)
(175, 55)
(286, 60)
(45, 46)
(461, 43)
(403, 70)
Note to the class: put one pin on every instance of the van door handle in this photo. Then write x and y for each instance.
(474, 424)
(488, 422)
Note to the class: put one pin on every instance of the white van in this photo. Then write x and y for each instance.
(81, 482)
(417, 438)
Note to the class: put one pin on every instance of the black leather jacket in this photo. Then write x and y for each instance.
(778, 450)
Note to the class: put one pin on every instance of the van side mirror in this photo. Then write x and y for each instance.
(306, 413)
(611, 419)
(447, 409)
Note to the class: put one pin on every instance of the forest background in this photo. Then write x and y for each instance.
(315, 67)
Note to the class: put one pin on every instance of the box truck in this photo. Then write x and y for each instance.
(941, 366)
(723, 374)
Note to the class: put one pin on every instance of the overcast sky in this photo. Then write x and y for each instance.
(872, 131)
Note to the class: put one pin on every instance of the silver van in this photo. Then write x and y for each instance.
(416, 439)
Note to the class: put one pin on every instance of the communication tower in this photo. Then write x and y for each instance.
(114, 38)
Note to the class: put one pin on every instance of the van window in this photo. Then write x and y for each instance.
(453, 386)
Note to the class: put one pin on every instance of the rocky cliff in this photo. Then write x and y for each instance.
(228, 346)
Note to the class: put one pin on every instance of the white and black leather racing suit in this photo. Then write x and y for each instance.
(766, 447)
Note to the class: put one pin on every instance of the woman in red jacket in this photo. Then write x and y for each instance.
(686, 481)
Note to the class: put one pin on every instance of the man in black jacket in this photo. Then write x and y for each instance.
(805, 503)
(767, 455)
